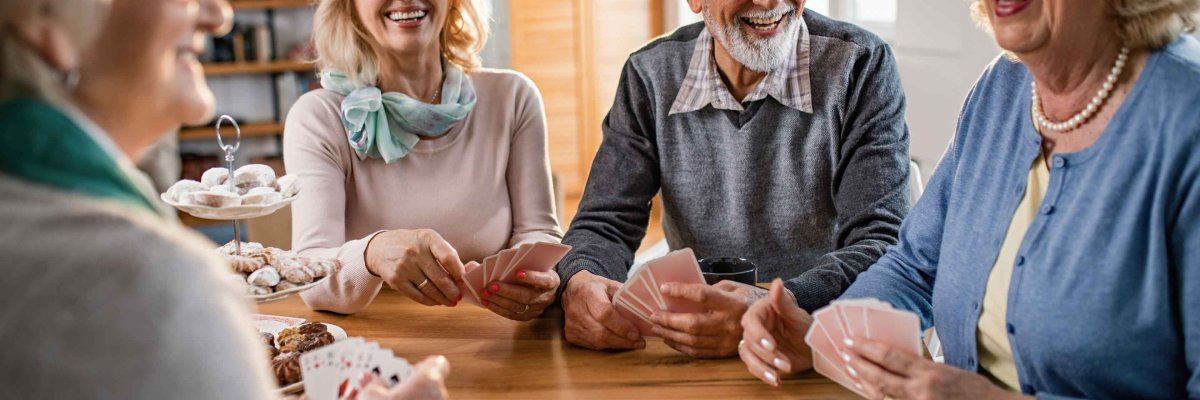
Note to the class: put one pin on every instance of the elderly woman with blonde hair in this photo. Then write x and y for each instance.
(1057, 248)
(414, 159)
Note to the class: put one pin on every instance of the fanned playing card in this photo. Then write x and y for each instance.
(676, 267)
(331, 371)
(541, 257)
(861, 318)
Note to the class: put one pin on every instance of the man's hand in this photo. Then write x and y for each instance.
(773, 337)
(591, 319)
(711, 334)
(418, 263)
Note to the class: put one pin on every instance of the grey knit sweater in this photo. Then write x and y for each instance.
(811, 198)
(99, 301)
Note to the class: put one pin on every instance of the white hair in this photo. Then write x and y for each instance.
(762, 55)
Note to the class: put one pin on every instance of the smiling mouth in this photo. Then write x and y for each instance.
(407, 16)
(764, 23)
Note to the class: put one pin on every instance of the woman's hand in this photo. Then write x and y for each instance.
(418, 263)
(426, 383)
(886, 372)
(773, 336)
(521, 301)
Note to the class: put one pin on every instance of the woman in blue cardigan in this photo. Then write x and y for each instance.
(1062, 226)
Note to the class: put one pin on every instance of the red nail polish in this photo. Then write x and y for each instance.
(486, 295)
(495, 287)
(521, 275)
(485, 303)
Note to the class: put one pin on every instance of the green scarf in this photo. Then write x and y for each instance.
(40, 144)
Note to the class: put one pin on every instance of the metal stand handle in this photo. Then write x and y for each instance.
(229, 150)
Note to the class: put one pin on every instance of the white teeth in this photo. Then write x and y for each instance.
(762, 23)
(407, 16)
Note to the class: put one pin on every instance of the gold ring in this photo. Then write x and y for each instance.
(523, 310)
(423, 284)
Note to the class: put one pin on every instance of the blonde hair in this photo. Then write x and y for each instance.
(1143, 24)
(24, 72)
(342, 42)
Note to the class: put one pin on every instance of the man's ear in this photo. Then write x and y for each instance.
(49, 40)
(696, 5)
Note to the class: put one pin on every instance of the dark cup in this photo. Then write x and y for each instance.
(716, 269)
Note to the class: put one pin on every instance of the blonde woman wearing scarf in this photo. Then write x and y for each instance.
(416, 160)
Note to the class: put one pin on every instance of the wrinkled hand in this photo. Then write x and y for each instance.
(773, 336)
(884, 371)
(522, 301)
(426, 383)
(591, 319)
(711, 334)
(406, 258)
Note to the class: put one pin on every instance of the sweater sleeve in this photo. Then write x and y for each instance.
(870, 183)
(904, 276)
(534, 214)
(1185, 258)
(313, 152)
(615, 207)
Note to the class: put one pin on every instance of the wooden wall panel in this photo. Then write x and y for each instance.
(574, 51)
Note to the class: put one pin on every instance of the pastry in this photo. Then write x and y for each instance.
(302, 342)
(223, 188)
(285, 285)
(252, 249)
(269, 340)
(266, 276)
(243, 264)
(213, 199)
(214, 177)
(287, 368)
(293, 269)
(288, 185)
(253, 176)
(176, 192)
(261, 198)
(261, 290)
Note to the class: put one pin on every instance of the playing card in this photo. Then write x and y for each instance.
(830, 321)
(646, 293)
(468, 291)
(897, 328)
(676, 267)
(320, 369)
(639, 321)
(396, 370)
(541, 256)
(503, 260)
(637, 305)
(854, 318)
(836, 371)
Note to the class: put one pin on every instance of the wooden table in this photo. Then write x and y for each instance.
(494, 358)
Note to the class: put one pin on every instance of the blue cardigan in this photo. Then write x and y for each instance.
(1105, 293)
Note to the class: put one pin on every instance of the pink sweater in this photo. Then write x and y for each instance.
(484, 186)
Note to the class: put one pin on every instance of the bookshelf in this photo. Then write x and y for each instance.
(259, 129)
(255, 67)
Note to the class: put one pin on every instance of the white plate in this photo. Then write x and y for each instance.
(228, 213)
(283, 294)
(273, 324)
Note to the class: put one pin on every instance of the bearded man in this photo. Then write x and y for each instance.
(774, 134)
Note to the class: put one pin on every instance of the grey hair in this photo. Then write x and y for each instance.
(25, 73)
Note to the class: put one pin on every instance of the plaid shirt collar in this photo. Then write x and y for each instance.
(702, 85)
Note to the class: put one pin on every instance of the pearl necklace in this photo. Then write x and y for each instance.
(1078, 119)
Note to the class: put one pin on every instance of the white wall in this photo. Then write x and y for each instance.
(940, 53)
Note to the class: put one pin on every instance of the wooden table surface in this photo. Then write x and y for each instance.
(494, 358)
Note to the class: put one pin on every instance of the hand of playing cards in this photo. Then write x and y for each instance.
(332, 370)
(639, 297)
(866, 318)
(503, 267)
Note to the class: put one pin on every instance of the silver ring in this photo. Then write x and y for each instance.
(423, 284)
(523, 310)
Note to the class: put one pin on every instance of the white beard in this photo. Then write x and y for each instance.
(762, 55)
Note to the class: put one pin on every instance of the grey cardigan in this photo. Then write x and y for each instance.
(811, 198)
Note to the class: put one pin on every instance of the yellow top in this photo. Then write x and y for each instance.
(995, 353)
